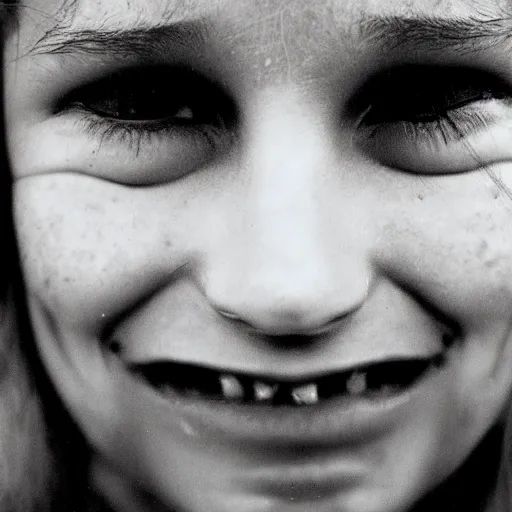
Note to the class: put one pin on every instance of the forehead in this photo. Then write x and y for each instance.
(249, 16)
(259, 42)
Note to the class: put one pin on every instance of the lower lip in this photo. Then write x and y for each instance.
(329, 423)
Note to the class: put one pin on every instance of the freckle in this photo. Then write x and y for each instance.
(492, 263)
(482, 248)
(47, 282)
(421, 197)
(168, 243)
(67, 279)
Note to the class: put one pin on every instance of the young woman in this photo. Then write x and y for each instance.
(267, 247)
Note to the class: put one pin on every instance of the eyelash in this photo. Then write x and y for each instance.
(451, 112)
(442, 123)
(449, 127)
(183, 88)
(134, 135)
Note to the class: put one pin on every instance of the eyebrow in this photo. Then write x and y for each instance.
(427, 33)
(422, 34)
(142, 41)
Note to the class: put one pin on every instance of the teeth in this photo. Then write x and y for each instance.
(371, 381)
(232, 388)
(264, 392)
(357, 383)
(306, 395)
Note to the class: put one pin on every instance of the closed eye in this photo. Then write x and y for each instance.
(428, 119)
(153, 94)
(423, 93)
(172, 118)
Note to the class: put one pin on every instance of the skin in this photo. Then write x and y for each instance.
(290, 223)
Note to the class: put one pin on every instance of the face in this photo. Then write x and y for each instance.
(267, 245)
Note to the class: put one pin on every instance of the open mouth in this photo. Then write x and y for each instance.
(378, 380)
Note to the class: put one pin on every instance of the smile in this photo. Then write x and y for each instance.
(372, 381)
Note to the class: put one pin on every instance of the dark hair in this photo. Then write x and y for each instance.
(24, 454)
(42, 455)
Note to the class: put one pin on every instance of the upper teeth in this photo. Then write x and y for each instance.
(305, 395)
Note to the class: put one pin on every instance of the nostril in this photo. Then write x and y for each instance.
(235, 318)
(229, 315)
(268, 309)
(294, 333)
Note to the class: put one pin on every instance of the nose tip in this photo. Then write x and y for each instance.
(308, 313)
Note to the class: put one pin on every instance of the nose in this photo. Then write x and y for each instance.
(294, 259)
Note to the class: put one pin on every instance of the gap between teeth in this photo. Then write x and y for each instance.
(244, 389)
(303, 394)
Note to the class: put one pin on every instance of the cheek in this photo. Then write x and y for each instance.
(453, 244)
(454, 249)
(90, 247)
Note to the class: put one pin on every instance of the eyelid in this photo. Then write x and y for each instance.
(164, 148)
(433, 126)
(482, 138)
(404, 89)
(152, 90)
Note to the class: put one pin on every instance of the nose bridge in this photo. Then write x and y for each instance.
(294, 267)
(287, 161)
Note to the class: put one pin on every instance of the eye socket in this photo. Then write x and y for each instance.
(424, 93)
(430, 118)
(151, 125)
(154, 94)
